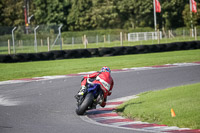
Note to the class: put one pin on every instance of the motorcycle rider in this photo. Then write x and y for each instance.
(103, 78)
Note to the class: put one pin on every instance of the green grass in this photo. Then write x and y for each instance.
(10, 71)
(155, 106)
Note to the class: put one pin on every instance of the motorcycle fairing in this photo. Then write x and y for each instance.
(94, 89)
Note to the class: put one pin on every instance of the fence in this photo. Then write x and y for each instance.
(96, 39)
(28, 39)
(43, 38)
(144, 36)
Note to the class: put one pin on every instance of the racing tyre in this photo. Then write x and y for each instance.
(85, 104)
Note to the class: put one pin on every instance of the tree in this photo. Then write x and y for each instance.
(191, 18)
(12, 13)
(1, 13)
(93, 14)
(98, 14)
(136, 13)
(104, 14)
(78, 18)
(171, 14)
(51, 11)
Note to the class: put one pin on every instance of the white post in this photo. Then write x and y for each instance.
(8, 46)
(48, 44)
(137, 36)
(195, 32)
(72, 40)
(129, 37)
(158, 34)
(41, 42)
(36, 37)
(121, 38)
(29, 18)
(58, 36)
(191, 17)
(13, 39)
(85, 41)
(109, 38)
(59, 29)
(154, 5)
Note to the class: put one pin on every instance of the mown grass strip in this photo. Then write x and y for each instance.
(155, 106)
(10, 71)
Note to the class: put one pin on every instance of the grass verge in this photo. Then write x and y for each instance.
(10, 71)
(155, 106)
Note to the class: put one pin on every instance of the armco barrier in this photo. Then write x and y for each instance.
(99, 52)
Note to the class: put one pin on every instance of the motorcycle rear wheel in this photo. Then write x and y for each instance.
(85, 104)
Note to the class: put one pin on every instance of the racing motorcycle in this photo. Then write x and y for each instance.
(92, 96)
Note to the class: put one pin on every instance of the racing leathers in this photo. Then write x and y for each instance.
(104, 79)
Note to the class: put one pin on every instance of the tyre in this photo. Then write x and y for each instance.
(85, 104)
(106, 51)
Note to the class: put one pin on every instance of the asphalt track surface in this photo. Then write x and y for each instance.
(48, 106)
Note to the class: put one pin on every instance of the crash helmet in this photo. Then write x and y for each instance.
(105, 69)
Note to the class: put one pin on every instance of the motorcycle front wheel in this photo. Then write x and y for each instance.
(85, 104)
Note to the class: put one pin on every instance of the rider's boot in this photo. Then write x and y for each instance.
(103, 104)
(81, 92)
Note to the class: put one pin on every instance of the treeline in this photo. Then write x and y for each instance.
(78, 15)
